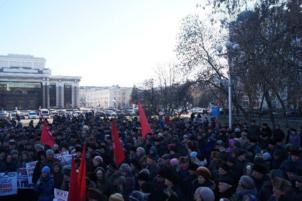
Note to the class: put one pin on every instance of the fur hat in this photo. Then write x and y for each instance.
(203, 171)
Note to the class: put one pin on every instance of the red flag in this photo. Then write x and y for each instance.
(46, 137)
(74, 193)
(82, 175)
(119, 155)
(144, 121)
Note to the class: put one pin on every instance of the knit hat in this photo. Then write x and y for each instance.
(136, 196)
(205, 193)
(266, 156)
(116, 197)
(174, 162)
(193, 154)
(203, 171)
(246, 182)
(125, 168)
(99, 158)
(49, 152)
(46, 170)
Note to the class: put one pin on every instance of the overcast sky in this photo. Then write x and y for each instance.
(106, 42)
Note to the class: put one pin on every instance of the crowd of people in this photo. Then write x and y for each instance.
(181, 160)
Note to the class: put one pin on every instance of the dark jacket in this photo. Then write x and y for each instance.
(45, 189)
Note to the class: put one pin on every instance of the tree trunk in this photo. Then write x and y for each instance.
(270, 107)
(283, 109)
(260, 109)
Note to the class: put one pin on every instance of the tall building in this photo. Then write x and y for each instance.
(26, 83)
(105, 97)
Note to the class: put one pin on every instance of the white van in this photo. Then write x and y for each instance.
(44, 113)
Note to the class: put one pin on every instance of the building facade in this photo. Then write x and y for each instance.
(105, 97)
(25, 83)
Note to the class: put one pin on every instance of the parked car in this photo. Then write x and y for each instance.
(4, 114)
(110, 113)
(44, 113)
(33, 115)
(13, 115)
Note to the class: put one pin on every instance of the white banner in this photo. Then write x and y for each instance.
(23, 179)
(60, 195)
(30, 170)
(65, 158)
(8, 183)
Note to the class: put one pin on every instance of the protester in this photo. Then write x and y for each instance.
(181, 160)
(45, 185)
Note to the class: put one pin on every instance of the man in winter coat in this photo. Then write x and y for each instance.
(45, 185)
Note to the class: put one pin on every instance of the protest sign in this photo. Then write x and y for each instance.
(215, 111)
(8, 183)
(60, 195)
(30, 170)
(23, 179)
(65, 158)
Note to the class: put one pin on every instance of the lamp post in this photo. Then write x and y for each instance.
(230, 100)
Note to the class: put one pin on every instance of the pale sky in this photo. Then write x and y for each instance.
(106, 42)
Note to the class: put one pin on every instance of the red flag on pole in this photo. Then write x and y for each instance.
(119, 155)
(74, 192)
(46, 137)
(82, 176)
(144, 121)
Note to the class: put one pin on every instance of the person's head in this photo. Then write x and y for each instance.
(204, 175)
(125, 169)
(94, 194)
(245, 183)
(136, 196)
(241, 155)
(97, 160)
(143, 176)
(45, 172)
(223, 169)
(9, 158)
(204, 194)
(280, 187)
(56, 167)
(99, 173)
(140, 151)
(225, 183)
(116, 197)
(14, 154)
(184, 163)
(49, 154)
(295, 154)
(259, 171)
(169, 175)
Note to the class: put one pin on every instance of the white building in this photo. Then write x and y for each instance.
(105, 97)
(26, 83)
